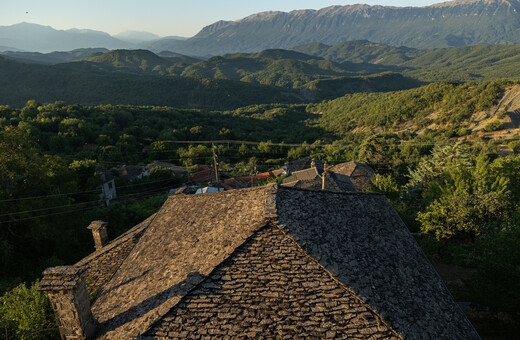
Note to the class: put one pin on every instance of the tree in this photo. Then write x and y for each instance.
(470, 202)
(243, 150)
(160, 173)
(493, 126)
(387, 185)
(26, 313)
(431, 169)
(373, 151)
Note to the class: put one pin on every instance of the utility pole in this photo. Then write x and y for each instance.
(216, 168)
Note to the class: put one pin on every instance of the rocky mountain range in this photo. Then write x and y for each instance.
(448, 24)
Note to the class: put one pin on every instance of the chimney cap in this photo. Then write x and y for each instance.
(61, 278)
(96, 225)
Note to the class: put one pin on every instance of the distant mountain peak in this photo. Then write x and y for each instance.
(474, 2)
(39, 38)
(136, 36)
(269, 15)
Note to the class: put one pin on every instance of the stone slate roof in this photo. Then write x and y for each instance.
(266, 288)
(103, 175)
(235, 183)
(302, 164)
(360, 174)
(278, 261)
(303, 175)
(62, 277)
(312, 179)
(101, 265)
(131, 172)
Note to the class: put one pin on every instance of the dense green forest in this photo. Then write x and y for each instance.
(455, 188)
(309, 73)
(51, 83)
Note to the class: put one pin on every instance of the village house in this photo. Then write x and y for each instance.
(205, 174)
(361, 175)
(106, 186)
(302, 164)
(132, 172)
(260, 262)
(319, 178)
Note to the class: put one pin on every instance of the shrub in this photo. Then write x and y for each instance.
(27, 313)
(493, 126)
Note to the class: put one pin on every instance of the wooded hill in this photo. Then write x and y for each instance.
(51, 83)
(307, 73)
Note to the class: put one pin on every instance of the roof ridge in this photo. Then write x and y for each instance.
(153, 217)
(343, 193)
(270, 210)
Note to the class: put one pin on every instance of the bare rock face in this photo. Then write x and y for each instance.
(454, 23)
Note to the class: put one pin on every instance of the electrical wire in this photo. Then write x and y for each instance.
(153, 192)
(79, 192)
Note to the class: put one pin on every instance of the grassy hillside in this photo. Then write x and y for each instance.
(413, 109)
(336, 87)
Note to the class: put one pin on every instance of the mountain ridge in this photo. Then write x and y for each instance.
(448, 24)
(39, 38)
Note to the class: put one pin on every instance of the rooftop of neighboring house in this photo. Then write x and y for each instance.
(236, 183)
(103, 175)
(302, 164)
(360, 174)
(313, 178)
(131, 172)
(204, 175)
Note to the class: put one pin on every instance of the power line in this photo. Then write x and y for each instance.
(44, 209)
(46, 196)
(80, 192)
(155, 191)
(40, 216)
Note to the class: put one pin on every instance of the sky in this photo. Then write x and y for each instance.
(162, 17)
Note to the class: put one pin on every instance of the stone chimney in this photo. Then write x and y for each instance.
(324, 178)
(70, 301)
(313, 163)
(99, 233)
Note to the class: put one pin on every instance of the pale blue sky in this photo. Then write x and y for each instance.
(162, 17)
